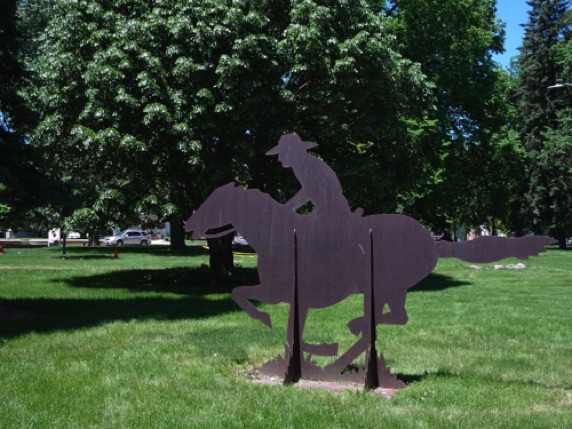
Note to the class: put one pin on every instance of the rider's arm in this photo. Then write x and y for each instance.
(297, 200)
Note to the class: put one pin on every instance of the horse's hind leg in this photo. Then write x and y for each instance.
(242, 296)
(322, 349)
(350, 355)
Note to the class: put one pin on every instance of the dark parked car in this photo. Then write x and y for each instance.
(130, 236)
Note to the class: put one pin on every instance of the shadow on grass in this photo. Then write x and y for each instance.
(202, 281)
(436, 282)
(83, 257)
(194, 281)
(198, 249)
(45, 315)
(476, 379)
(411, 378)
(415, 378)
(193, 284)
(155, 250)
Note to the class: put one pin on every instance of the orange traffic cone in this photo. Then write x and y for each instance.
(116, 254)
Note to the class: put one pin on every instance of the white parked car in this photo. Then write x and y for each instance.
(130, 236)
(73, 234)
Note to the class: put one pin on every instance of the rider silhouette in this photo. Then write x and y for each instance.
(320, 185)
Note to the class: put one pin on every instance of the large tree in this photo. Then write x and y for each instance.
(543, 113)
(454, 41)
(95, 86)
(147, 105)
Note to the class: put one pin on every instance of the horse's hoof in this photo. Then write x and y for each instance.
(265, 318)
(356, 325)
(324, 349)
(393, 318)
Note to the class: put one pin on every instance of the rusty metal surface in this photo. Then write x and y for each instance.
(317, 260)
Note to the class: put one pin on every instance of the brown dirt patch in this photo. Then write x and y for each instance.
(331, 386)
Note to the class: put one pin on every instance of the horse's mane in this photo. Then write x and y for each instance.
(252, 202)
(250, 195)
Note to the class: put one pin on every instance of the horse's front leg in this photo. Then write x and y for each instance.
(396, 315)
(242, 296)
(393, 317)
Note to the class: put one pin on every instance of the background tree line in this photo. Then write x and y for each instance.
(134, 107)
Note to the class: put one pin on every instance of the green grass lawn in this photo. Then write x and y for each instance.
(153, 340)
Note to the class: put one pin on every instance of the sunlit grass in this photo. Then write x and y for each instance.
(152, 339)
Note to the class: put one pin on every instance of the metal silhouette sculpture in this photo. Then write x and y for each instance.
(317, 260)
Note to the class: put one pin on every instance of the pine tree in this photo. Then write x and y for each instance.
(541, 111)
(538, 68)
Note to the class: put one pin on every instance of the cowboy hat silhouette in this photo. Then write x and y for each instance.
(289, 143)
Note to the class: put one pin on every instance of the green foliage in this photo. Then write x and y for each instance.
(10, 69)
(563, 53)
(22, 186)
(164, 100)
(551, 183)
(9, 72)
(362, 102)
(549, 23)
(544, 115)
(4, 208)
(493, 171)
(454, 42)
(146, 106)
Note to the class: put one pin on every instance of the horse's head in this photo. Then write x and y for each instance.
(214, 212)
(255, 214)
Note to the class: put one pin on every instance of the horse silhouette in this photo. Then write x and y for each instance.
(332, 258)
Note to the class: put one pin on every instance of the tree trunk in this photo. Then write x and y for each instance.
(220, 250)
(93, 242)
(561, 241)
(177, 234)
(93, 239)
(64, 245)
(559, 234)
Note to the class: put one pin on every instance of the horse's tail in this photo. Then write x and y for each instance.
(492, 248)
